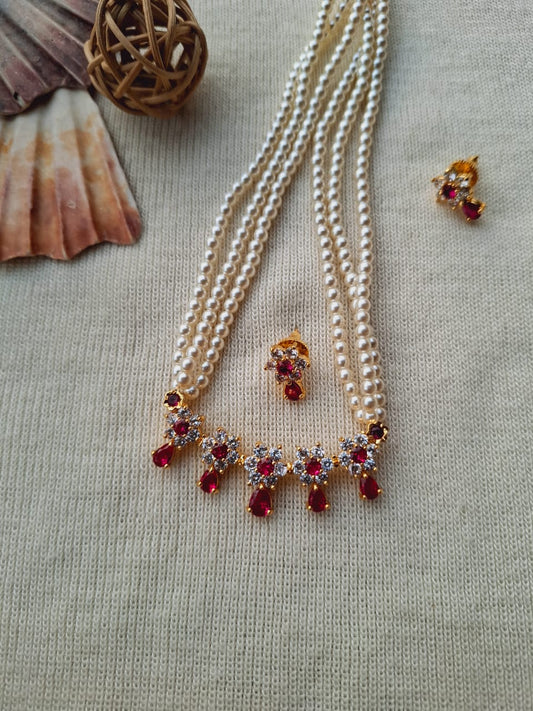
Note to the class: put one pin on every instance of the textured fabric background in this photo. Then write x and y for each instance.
(122, 588)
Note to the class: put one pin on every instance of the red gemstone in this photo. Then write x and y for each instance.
(313, 467)
(181, 427)
(209, 481)
(265, 467)
(317, 501)
(260, 503)
(368, 487)
(376, 431)
(359, 455)
(285, 367)
(449, 192)
(293, 391)
(220, 451)
(471, 210)
(163, 455)
(173, 399)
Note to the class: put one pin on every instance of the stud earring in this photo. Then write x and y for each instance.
(454, 188)
(289, 358)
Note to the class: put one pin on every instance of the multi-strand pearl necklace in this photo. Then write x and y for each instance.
(306, 113)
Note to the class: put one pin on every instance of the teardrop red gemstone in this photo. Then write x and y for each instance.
(368, 487)
(265, 467)
(471, 210)
(358, 455)
(293, 391)
(181, 427)
(260, 503)
(162, 456)
(209, 481)
(220, 451)
(317, 501)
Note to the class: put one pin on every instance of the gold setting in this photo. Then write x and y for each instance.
(455, 187)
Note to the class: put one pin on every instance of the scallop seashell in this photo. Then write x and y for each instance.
(62, 188)
(41, 48)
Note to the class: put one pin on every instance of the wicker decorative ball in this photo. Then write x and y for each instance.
(146, 56)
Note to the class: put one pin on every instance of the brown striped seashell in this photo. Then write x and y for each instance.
(62, 188)
(41, 48)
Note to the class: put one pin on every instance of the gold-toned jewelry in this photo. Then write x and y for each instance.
(322, 111)
(455, 188)
(289, 358)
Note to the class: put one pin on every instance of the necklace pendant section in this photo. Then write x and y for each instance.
(358, 457)
(218, 453)
(183, 427)
(264, 469)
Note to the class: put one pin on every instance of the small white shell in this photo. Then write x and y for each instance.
(62, 188)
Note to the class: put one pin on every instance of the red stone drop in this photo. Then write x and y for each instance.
(260, 503)
(181, 427)
(173, 399)
(376, 431)
(209, 481)
(265, 467)
(293, 391)
(162, 456)
(317, 501)
(368, 487)
(285, 367)
(471, 210)
(220, 451)
(359, 455)
(449, 192)
(313, 467)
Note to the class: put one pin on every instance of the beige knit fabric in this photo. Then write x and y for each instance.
(124, 588)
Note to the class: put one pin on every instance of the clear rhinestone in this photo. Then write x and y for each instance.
(260, 451)
(327, 464)
(298, 467)
(208, 443)
(322, 477)
(196, 421)
(302, 453)
(169, 434)
(221, 436)
(305, 478)
(270, 481)
(355, 469)
(193, 435)
(301, 364)
(254, 478)
(291, 353)
(277, 353)
(346, 444)
(369, 465)
(317, 452)
(220, 465)
(233, 442)
(451, 175)
(345, 460)
(184, 412)
(207, 458)
(232, 457)
(275, 454)
(280, 469)
(180, 442)
(271, 365)
(362, 439)
(371, 450)
(250, 464)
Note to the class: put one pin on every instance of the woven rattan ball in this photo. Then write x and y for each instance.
(147, 56)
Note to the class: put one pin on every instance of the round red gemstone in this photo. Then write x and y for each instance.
(265, 467)
(359, 455)
(173, 399)
(368, 487)
(376, 431)
(471, 210)
(181, 427)
(285, 367)
(260, 503)
(313, 467)
(162, 456)
(220, 451)
(449, 192)
(209, 481)
(317, 501)
(293, 391)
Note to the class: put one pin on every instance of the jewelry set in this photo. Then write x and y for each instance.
(332, 93)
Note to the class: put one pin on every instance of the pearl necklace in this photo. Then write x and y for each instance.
(305, 114)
